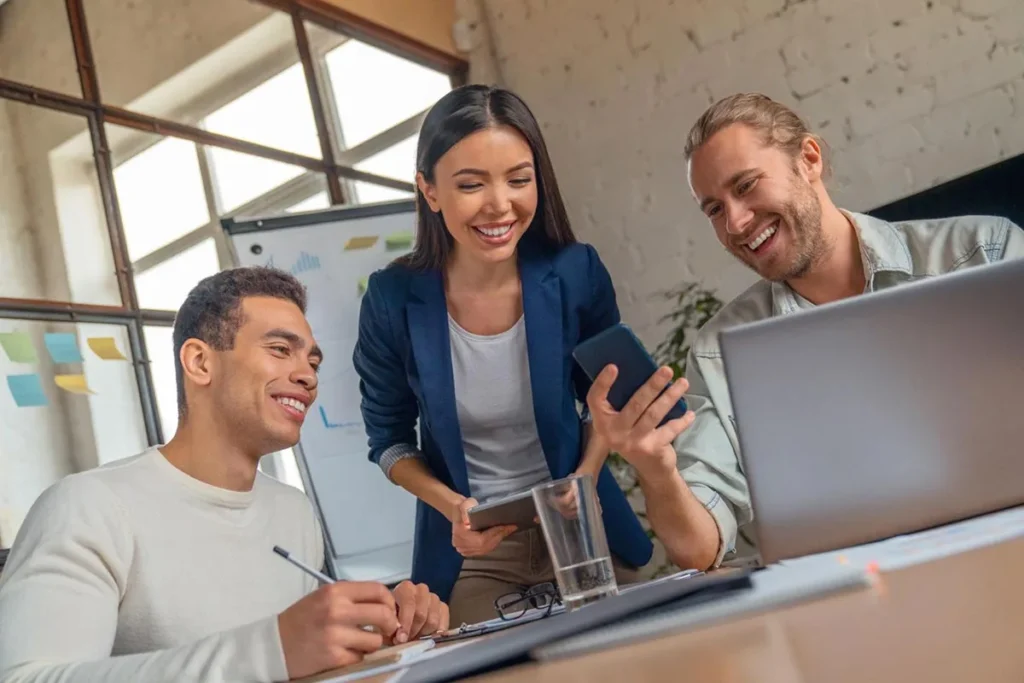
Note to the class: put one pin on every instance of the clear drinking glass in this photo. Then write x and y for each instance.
(574, 532)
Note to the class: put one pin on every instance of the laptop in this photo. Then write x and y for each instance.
(883, 414)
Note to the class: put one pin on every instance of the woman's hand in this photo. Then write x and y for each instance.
(471, 543)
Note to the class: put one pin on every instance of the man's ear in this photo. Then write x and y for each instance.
(428, 191)
(197, 361)
(811, 159)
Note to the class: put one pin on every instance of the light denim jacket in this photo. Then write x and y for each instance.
(893, 253)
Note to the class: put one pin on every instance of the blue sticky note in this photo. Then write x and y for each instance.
(63, 347)
(27, 390)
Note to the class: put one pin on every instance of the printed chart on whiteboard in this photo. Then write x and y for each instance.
(368, 520)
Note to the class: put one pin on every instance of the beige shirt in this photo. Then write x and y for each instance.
(135, 571)
(893, 253)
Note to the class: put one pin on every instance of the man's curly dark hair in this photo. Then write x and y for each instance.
(212, 312)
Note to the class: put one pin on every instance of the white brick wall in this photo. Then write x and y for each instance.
(908, 93)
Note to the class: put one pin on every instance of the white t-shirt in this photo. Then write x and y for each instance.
(494, 400)
(135, 571)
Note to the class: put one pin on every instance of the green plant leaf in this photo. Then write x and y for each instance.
(693, 307)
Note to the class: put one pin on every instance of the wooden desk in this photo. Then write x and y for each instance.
(959, 619)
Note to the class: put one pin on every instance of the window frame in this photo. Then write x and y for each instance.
(289, 193)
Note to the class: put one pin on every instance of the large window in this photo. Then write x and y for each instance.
(126, 136)
(373, 100)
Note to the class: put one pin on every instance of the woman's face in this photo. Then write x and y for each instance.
(486, 190)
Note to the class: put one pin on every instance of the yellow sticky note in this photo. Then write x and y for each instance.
(356, 243)
(73, 383)
(363, 283)
(105, 348)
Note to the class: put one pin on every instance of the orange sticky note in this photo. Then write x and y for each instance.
(74, 383)
(105, 348)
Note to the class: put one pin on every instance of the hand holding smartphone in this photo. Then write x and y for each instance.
(618, 346)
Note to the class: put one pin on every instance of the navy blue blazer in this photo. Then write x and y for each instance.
(403, 359)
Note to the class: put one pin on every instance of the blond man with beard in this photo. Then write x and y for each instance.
(757, 173)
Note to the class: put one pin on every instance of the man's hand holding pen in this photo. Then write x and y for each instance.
(341, 621)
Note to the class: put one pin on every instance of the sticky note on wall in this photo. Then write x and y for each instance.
(105, 348)
(18, 347)
(356, 243)
(63, 347)
(76, 384)
(363, 284)
(27, 390)
(398, 241)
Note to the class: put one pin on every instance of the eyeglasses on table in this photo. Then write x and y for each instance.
(542, 597)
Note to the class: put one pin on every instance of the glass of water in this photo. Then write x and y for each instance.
(571, 521)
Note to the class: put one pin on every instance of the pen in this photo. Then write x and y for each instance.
(319, 576)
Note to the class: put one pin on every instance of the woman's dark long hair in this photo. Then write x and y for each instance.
(460, 113)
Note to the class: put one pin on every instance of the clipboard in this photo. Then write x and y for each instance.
(515, 645)
(493, 625)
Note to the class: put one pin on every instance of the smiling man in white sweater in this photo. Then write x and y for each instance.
(160, 567)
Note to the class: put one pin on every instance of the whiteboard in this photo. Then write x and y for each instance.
(368, 521)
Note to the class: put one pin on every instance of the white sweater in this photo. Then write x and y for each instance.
(137, 572)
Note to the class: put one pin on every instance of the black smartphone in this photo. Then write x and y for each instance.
(618, 346)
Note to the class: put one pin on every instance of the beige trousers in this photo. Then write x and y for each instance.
(521, 561)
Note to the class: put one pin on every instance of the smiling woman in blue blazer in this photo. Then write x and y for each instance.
(472, 335)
